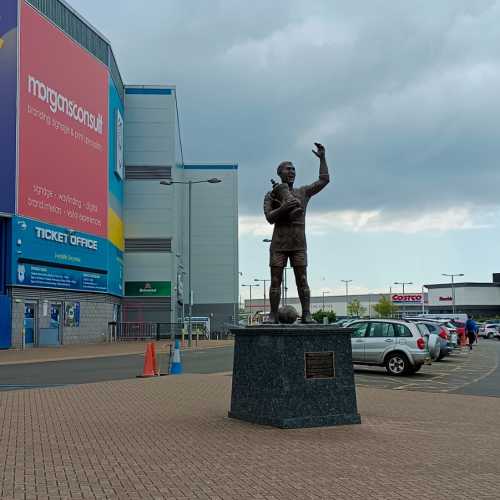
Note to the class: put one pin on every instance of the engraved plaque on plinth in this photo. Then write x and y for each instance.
(319, 365)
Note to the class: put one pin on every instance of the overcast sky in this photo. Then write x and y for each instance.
(404, 96)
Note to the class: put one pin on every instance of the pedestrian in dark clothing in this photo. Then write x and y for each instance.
(471, 329)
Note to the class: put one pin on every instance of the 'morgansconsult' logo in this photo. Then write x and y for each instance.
(59, 103)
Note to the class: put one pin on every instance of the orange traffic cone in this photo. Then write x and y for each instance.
(156, 370)
(149, 362)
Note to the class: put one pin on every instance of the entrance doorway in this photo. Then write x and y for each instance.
(29, 324)
(50, 334)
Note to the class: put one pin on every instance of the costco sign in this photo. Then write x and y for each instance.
(408, 298)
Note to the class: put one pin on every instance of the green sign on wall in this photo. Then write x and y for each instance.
(148, 288)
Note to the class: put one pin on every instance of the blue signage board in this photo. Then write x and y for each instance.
(8, 103)
(56, 277)
(48, 256)
(34, 240)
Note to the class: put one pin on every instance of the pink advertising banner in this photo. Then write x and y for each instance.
(63, 129)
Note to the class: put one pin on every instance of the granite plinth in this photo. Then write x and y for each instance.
(271, 384)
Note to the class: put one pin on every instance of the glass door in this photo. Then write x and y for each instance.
(29, 324)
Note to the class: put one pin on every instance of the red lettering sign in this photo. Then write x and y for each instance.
(407, 298)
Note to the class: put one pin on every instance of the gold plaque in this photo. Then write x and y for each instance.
(319, 365)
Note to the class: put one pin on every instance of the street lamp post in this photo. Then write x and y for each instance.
(190, 183)
(452, 276)
(346, 294)
(403, 283)
(285, 285)
(263, 281)
(251, 286)
(323, 293)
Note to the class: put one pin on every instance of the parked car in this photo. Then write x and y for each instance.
(396, 344)
(490, 329)
(450, 328)
(344, 323)
(430, 327)
(460, 327)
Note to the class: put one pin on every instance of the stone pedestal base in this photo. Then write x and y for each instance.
(293, 376)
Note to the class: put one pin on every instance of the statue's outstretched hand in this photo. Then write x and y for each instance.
(320, 150)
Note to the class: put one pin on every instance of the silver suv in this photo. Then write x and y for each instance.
(397, 345)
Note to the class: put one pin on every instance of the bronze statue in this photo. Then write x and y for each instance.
(285, 207)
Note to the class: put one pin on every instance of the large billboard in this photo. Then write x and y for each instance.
(63, 129)
(8, 104)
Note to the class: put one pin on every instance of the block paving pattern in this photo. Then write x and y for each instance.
(170, 438)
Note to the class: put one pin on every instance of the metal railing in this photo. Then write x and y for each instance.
(132, 330)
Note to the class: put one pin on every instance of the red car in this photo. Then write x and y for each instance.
(460, 327)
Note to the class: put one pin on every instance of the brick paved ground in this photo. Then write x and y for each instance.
(169, 438)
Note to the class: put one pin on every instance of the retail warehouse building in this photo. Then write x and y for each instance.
(88, 235)
(482, 300)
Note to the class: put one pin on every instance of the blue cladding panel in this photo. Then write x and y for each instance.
(115, 183)
(148, 91)
(5, 322)
(8, 96)
(115, 267)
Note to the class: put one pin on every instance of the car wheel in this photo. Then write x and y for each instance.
(397, 364)
(489, 336)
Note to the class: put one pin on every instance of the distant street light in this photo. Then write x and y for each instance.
(169, 182)
(323, 293)
(452, 276)
(263, 281)
(251, 286)
(346, 295)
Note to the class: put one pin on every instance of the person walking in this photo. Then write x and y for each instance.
(471, 330)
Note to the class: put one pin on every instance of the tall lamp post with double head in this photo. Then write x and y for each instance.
(251, 286)
(452, 276)
(403, 283)
(346, 295)
(169, 182)
(263, 281)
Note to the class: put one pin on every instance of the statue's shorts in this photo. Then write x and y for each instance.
(280, 258)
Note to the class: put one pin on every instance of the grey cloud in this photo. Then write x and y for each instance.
(403, 94)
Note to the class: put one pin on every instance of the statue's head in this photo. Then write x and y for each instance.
(286, 172)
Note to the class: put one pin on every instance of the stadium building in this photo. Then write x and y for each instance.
(88, 235)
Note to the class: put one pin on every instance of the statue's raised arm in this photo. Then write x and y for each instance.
(324, 175)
